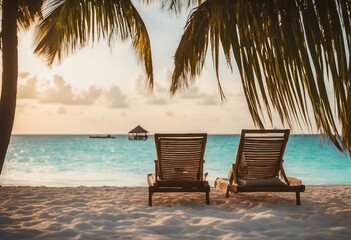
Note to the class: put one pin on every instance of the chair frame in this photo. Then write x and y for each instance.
(162, 184)
(234, 185)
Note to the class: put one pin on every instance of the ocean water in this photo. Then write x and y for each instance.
(80, 160)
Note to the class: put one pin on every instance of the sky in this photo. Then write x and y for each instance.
(101, 90)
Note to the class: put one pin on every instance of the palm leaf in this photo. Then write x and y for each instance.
(29, 11)
(175, 6)
(69, 25)
(288, 54)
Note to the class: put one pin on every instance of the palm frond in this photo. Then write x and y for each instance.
(176, 6)
(287, 52)
(69, 25)
(29, 11)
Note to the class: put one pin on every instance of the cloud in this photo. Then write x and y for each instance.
(209, 100)
(140, 85)
(141, 88)
(28, 89)
(157, 101)
(192, 92)
(23, 106)
(60, 92)
(63, 93)
(57, 91)
(169, 114)
(89, 96)
(61, 110)
(156, 97)
(23, 74)
(161, 95)
(114, 98)
(167, 75)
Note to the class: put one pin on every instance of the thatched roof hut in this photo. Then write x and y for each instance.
(138, 133)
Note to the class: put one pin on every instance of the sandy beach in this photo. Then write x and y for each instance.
(123, 213)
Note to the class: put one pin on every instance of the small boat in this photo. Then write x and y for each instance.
(102, 136)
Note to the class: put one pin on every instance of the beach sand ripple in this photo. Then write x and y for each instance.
(123, 213)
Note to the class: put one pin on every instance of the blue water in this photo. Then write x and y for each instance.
(80, 160)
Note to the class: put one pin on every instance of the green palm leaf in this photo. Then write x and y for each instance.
(175, 6)
(29, 11)
(69, 25)
(287, 53)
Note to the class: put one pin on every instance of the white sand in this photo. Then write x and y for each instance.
(122, 213)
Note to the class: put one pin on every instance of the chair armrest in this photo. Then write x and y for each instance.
(294, 181)
(157, 171)
(205, 175)
(231, 174)
(150, 179)
(282, 174)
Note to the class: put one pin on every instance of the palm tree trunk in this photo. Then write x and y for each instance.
(9, 74)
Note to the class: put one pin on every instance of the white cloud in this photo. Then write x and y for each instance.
(156, 97)
(209, 100)
(23, 74)
(169, 114)
(192, 92)
(60, 92)
(114, 98)
(167, 76)
(61, 110)
(89, 96)
(140, 86)
(28, 89)
(22, 106)
(157, 101)
(161, 95)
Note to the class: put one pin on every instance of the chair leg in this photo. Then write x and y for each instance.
(227, 193)
(298, 198)
(150, 198)
(207, 197)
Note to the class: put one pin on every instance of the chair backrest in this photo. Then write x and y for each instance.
(181, 156)
(260, 153)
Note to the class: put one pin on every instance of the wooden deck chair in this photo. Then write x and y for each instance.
(179, 164)
(258, 165)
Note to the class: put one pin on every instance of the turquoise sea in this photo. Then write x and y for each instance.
(57, 160)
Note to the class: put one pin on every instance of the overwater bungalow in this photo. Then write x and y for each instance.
(138, 133)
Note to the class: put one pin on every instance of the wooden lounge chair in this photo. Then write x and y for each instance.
(259, 165)
(179, 164)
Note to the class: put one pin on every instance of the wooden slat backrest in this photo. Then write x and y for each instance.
(260, 153)
(181, 156)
